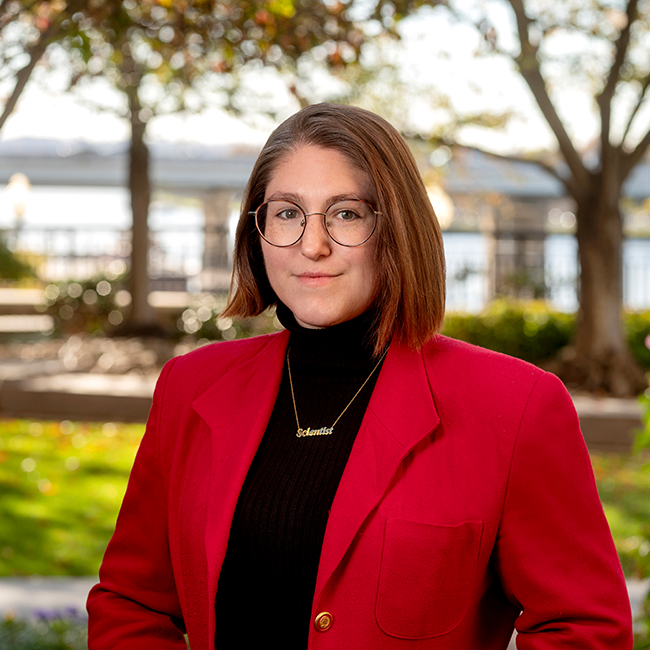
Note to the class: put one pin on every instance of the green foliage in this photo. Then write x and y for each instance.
(12, 267)
(624, 488)
(533, 331)
(50, 631)
(89, 306)
(201, 320)
(639, 542)
(61, 485)
(642, 440)
(528, 330)
(637, 331)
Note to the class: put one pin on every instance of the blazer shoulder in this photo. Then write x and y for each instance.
(203, 365)
(478, 366)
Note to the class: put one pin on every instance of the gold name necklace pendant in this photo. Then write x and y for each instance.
(324, 431)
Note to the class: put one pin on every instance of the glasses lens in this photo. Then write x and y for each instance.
(351, 222)
(280, 222)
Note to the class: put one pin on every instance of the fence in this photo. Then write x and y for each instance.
(176, 261)
(57, 254)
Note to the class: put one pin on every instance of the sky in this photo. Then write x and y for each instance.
(68, 119)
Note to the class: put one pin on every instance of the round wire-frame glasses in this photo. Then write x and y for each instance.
(348, 223)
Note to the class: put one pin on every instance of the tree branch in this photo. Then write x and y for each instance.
(36, 51)
(604, 100)
(7, 18)
(483, 28)
(3, 11)
(530, 71)
(536, 161)
(630, 160)
(22, 77)
(645, 84)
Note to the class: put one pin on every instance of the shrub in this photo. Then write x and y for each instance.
(12, 267)
(202, 321)
(90, 306)
(48, 631)
(637, 330)
(535, 332)
(528, 330)
(642, 442)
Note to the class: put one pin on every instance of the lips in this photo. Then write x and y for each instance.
(316, 279)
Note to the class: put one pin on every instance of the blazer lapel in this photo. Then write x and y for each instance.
(237, 408)
(400, 414)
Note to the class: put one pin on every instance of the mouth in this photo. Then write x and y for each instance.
(315, 279)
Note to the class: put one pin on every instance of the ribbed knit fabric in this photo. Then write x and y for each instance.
(268, 578)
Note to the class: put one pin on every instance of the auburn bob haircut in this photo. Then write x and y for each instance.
(410, 300)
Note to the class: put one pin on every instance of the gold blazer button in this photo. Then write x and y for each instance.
(323, 621)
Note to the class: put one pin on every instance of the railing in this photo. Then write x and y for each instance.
(176, 259)
(469, 281)
(65, 253)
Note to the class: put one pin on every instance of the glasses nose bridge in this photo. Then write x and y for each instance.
(309, 214)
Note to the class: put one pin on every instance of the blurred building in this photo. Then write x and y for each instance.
(508, 225)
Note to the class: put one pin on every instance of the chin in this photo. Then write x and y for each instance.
(310, 322)
(320, 319)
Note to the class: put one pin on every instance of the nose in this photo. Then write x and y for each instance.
(315, 241)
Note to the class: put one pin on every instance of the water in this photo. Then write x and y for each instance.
(97, 219)
(467, 268)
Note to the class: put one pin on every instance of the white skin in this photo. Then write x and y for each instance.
(321, 282)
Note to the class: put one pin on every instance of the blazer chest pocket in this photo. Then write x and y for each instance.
(426, 578)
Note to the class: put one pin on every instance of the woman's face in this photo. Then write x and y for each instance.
(321, 282)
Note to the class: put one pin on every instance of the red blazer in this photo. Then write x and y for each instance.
(468, 497)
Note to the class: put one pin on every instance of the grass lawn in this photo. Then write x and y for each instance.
(624, 488)
(61, 485)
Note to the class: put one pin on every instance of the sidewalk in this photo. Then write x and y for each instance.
(25, 597)
(47, 390)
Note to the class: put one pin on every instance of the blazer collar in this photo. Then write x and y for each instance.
(237, 408)
(401, 414)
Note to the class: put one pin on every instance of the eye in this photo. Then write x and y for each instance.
(348, 215)
(288, 214)
(350, 212)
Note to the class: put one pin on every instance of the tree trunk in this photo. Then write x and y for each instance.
(602, 359)
(141, 319)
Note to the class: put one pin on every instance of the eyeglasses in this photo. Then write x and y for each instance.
(349, 223)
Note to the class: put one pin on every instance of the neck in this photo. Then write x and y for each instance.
(346, 346)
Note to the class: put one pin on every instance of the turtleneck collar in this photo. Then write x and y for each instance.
(347, 346)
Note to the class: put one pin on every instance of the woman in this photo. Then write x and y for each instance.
(355, 481)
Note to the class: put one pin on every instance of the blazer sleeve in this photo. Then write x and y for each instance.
(135, 605)
(554, 552)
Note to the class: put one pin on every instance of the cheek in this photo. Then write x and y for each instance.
(371, 271)
(270, 261)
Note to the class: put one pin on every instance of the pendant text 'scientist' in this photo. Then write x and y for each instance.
(323, 431)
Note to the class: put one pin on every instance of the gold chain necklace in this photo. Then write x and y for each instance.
(325, 431)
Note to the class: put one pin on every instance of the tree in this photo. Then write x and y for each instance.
(36, 26)
(157, 52)
(603, 46)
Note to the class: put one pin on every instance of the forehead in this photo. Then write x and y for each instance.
(315, 172)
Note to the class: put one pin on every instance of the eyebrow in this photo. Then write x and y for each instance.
(296, 198)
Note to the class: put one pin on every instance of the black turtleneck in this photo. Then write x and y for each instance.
(268, 577)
